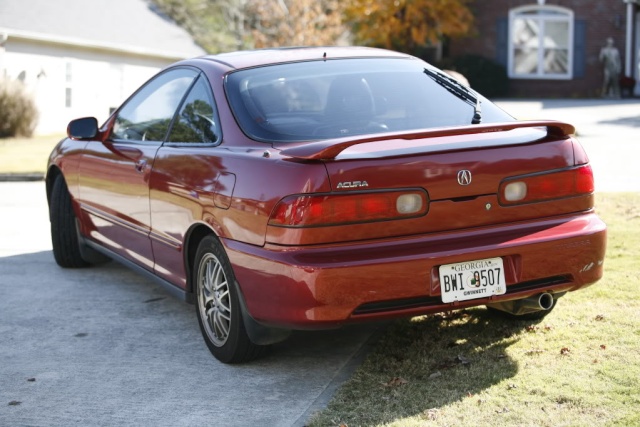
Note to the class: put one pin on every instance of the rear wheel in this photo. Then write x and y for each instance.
(64, 235)
(218, 306)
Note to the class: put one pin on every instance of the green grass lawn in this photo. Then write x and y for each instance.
(26, 155)
(580, 366)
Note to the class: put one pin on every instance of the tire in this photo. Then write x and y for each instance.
(218, 307)
(64, 235)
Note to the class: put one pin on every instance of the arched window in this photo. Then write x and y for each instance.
(541, 42)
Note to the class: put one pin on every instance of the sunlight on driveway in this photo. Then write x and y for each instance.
(25, 221)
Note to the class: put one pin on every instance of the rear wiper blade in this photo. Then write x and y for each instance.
(459, 90)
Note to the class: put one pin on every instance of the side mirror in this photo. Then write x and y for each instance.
(84, 128)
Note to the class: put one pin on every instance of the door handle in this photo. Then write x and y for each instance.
(141, 165)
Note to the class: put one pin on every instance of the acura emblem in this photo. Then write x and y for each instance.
(464, 177)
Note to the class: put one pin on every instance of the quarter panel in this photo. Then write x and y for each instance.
(233, 191)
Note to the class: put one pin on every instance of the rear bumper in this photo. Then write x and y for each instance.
(329, 285)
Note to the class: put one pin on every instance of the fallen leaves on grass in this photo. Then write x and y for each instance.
(462, 360)
(436, 374)
(430, 414)
(456, 361)
(536, 328)
(395, 382)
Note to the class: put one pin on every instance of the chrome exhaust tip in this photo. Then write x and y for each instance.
(544, 301)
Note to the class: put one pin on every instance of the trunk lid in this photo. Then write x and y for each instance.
(461, 170)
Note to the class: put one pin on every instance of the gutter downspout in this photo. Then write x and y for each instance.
(631, 67)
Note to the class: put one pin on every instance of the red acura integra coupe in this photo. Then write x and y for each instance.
(308, 188)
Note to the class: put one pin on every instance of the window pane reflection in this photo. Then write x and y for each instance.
(541, 42)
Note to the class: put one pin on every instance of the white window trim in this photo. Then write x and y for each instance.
(515, 13)
(68, 83)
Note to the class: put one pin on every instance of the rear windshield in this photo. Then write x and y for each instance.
(338, 98)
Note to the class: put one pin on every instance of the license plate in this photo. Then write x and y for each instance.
(472, 279)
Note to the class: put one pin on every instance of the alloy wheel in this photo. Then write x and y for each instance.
(214, 300)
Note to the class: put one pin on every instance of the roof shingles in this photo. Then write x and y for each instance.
(128, 25)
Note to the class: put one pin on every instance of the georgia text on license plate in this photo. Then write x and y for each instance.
(472, 279)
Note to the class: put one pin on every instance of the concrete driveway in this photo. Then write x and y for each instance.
(104, 346)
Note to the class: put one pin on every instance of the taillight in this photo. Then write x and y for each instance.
(547, 186)
(335, 209)
(579, 155)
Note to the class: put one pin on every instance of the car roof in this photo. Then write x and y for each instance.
(254, 58)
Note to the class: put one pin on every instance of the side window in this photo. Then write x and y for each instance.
(197, 121)
(147, 115)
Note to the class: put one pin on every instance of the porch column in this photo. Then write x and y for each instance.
(628, 56)
(632, 58)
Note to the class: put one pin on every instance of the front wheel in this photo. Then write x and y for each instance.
(64, 235)
(218, 306)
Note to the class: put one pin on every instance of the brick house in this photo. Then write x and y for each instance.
(551, 48)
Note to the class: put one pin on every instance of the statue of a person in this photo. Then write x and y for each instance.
(610, 57)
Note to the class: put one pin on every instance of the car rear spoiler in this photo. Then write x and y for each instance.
(330, 149)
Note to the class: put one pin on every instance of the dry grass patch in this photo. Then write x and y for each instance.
(579, 366)
(26, 155)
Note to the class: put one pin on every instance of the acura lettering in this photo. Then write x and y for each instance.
(353, 184)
